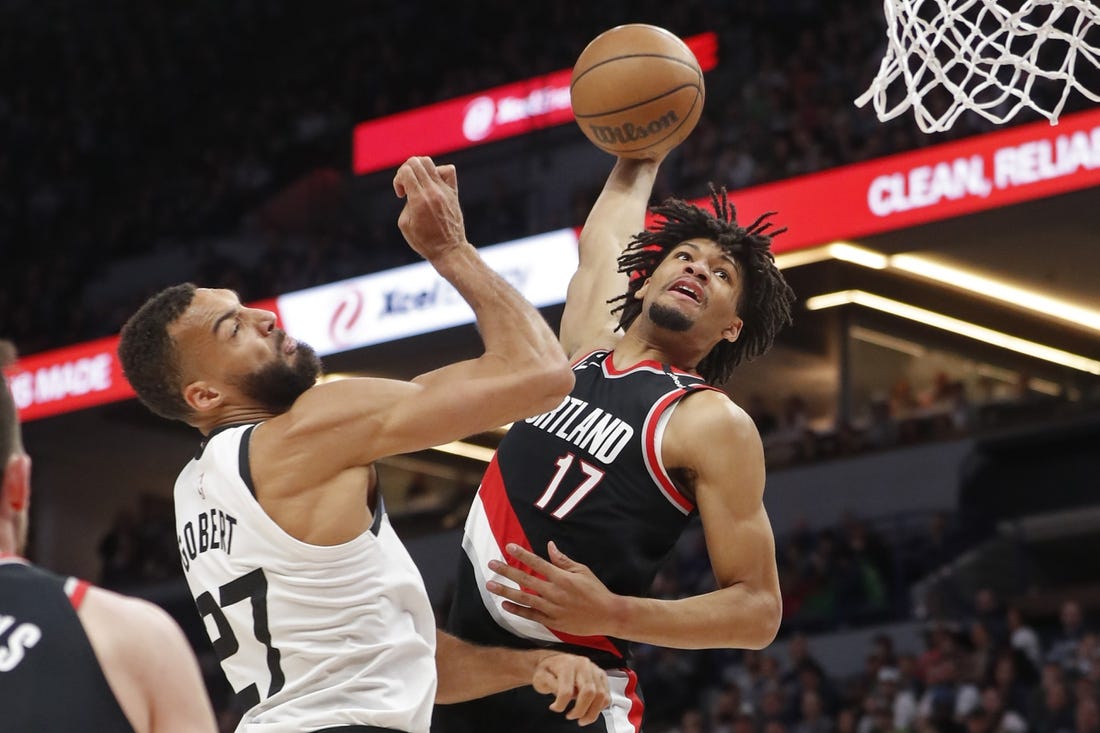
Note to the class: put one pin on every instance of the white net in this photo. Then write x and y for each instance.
(994, 57)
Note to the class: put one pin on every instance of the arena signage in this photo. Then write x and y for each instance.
(68, 379)
(414, 299)
(1033, 161)
(975, 174)
(979, 173)
(498, 113)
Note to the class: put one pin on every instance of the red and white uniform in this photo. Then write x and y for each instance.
(589, 476)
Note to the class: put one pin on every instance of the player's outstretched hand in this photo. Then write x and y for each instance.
(563, 595)
(431, 220)
(570, 678)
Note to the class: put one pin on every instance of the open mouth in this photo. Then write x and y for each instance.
(687, 289)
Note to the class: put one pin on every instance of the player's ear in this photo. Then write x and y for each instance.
(15, 490)
(202, 396)
(639, 294)
(733, 331)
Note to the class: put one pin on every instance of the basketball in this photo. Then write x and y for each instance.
(637, 91)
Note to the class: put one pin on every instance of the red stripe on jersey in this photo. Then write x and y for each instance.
(593, 642)
(506, 528)
(503, 522)
(609, 366)
(653, 460)
(636, 704)
(76, 590)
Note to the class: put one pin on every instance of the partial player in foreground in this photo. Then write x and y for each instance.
(73, 656)
(322, 620)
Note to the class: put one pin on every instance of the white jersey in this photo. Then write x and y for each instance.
(310, 637)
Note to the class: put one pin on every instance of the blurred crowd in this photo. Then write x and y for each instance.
(994, 668)
(983, 665)
(949, 406)
(130, 128)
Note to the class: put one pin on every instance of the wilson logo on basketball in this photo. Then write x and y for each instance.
(628, 132)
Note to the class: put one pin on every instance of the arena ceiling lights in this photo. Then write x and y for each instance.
(953, 325)
(943, 274)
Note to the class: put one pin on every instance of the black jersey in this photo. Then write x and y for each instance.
(50, 679)
(587, 475)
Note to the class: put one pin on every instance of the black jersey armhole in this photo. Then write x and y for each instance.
(379, 510)
(245, 469)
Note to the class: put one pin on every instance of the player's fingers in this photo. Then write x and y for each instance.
(544, 681)
(518, 609)
(399, 181)
(559, 558)
(449, 176)
(516, 595)
(411, 176)
(591, 698)
(529, 559)
(581, 698)
(519, 576)
(428, 173)
(422, 171)
(563, 690)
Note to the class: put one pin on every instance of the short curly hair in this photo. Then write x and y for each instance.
(766, 299)
(148, 353)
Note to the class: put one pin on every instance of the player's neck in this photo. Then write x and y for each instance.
(637, 345)
(233, 416)
(8, 545)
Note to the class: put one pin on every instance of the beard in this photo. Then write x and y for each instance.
(668, 318)
(278, 384)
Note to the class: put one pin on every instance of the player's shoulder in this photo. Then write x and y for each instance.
(127, 619)
(712, 435)
(713, 412)
(714, 403)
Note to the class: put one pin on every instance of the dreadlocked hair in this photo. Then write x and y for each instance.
(766, 299)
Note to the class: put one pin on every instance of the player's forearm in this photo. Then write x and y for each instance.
(737, 617)
(509, 325)
(619, 211)
(469, 671)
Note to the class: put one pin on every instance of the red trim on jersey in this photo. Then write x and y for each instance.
(611, 370)
(503, 522)
(636, 704)
(77, 593)
(653, 460)
(506, 528)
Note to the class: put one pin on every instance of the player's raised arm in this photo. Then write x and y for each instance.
(522, 371)
(618, 214)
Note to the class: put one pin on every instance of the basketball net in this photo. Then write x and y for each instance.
(949, 56)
